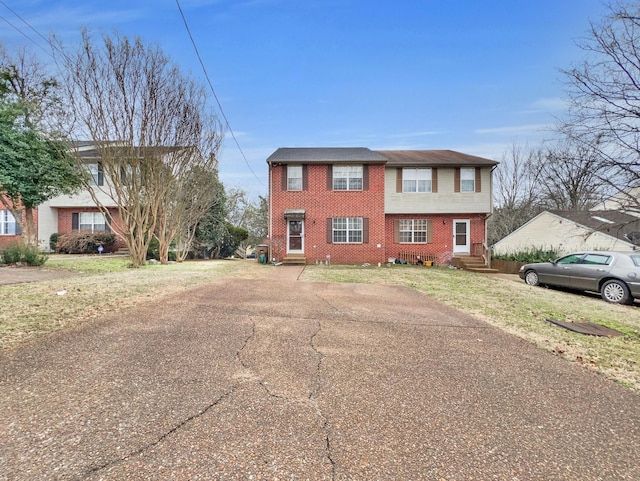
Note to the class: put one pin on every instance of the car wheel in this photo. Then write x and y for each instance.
(531, 278)
(615, 291)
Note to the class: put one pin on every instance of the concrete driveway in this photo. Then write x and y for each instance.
(277, 379)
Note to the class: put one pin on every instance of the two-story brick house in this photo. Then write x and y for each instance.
(355, 205)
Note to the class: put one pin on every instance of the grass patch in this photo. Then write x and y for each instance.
(509, 304)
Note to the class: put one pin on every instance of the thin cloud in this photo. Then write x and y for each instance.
(516, 129)
(547, 105)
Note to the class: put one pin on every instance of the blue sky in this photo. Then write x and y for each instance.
(468, 75)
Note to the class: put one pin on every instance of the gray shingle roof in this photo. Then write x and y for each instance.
(444, 158)
(612, 222)
(325, 154)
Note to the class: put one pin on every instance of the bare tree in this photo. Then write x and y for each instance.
(150, 124)
(605, 97)
(571, 177)
(517, 189)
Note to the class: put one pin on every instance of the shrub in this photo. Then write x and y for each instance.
(20, 252)
(84, 242)
(53, 240)
(534, 254)
(153, 251)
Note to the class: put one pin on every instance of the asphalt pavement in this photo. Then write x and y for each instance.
(278, 379)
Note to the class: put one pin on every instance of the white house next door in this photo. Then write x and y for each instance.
(295, 236)
(461, 242)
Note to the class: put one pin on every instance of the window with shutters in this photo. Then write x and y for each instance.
(8, 224)
(416, 180)
(294, 177)
(347, 230)
(467, 179)
(347, 177)
(92, 221)
(96, 173)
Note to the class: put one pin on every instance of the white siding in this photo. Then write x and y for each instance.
(549, 231)
(445, 201)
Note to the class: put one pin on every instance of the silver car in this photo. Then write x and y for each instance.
(615, 275)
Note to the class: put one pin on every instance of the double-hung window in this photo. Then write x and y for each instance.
(416, 180)
(467, 180)
(347, 230)
(8, 225)
(294, 177)
(92, 221)
(96, 174)
(413, 231)
(347, 177)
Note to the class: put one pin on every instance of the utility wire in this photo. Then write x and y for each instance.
(228, 126)
(21, 32)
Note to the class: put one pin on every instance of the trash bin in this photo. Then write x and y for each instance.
(263, 253)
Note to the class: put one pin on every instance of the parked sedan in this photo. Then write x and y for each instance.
(615, 275)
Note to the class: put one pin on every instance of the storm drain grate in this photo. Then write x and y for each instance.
(588, 328)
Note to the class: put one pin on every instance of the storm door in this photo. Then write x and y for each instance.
(295, 236)
(461, 244)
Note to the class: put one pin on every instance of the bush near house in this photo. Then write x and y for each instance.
(19, 252)
(82, 242)
(535, 254)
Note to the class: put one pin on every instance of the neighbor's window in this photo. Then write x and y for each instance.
(347, 230)
(347, 177)
(95, 171)
(413, 231)
(8, 225)
(294, 177)
(416, 180)
(92, 221)
(467, 180)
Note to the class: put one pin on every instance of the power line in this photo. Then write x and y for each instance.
(23, 33)
(228, 126)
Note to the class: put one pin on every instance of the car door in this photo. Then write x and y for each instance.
(560, 272)
(587, 273)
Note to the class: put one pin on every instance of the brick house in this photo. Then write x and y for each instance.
(355, 205)
(9, 226)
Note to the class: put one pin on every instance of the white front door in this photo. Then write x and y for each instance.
(295, 236)
(461, 244)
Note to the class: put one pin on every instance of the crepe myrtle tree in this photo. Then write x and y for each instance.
(152, 127)
(604, 94)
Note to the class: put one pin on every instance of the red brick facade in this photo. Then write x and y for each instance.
(317, 203)
(65, 220)
(7, 239)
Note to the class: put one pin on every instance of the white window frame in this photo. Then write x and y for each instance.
(94, 172)
(413, 231)
(417, 180)
(347, 230)
(294, 177)
(8, 224)
(467, 179)
(348, 177)
(87, 222)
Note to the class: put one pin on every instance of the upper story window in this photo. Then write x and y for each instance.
(467, 179)
(8, 224)
(347, 177)
(96, 173)
(294, 177)
(416, 180)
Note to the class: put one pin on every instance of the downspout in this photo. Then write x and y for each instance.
(270, 210)
(486, 218)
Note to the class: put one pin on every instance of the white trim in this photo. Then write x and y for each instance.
(466, 248)
(289, 250)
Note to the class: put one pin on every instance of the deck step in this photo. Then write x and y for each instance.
(294, 260)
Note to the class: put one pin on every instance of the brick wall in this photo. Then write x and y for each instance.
(442, 245)
(319, 203)
(65, 217)
(7, 239)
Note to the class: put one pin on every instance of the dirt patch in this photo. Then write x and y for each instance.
(18, 275)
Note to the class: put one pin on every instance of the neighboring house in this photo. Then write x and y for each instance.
(355, 205)
(9, 226)
(569, 231)
(67, 213)
(627, 201)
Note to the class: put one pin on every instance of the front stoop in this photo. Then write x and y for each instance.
(294, 260)
(473, 264)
